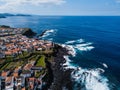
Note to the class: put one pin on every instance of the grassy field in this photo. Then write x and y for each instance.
(41, 62)
(12, 62)
(12, 65)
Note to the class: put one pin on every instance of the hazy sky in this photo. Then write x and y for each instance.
(61, 7)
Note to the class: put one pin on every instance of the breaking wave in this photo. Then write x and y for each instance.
(48, 33)
(83, 78)
(84, 47)
(90, 79)
(87, 79)
(74, 41)
(71, 49)
(77, 45)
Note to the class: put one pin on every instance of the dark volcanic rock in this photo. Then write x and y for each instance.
(40, 35)
(62, 78)
(28, 32)
(4, 26)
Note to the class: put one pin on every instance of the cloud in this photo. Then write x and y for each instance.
(14, 5)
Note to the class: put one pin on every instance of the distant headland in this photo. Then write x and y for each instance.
(4, 15)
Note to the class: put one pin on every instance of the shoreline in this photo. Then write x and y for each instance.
(61, 78)
(57, 78)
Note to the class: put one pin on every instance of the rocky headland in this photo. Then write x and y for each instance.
(61, 77)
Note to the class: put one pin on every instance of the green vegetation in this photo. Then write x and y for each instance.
(39, 73)
(33, 58)
(9, 58)
(10, 62)
(12, 65)
(23, 55)
(41, 62)
(4, 67)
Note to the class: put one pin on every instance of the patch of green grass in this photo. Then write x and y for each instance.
(11, 65)
(23, 55)
(41, 62)
(4, 67)
(33, 58)
(14, 65)
(39, 73)
(9, 58)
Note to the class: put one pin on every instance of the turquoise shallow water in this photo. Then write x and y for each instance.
(94, 40)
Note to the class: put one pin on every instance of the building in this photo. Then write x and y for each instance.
(2, 83)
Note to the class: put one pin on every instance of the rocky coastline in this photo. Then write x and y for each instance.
(58, 77)
(61, 77)
(40, 35)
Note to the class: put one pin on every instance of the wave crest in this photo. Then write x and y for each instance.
(48, 33)
(87, 79)
(77, 45)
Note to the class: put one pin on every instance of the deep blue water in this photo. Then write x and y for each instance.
(95, 39)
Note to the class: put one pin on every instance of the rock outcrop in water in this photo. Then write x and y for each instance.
(28, 32)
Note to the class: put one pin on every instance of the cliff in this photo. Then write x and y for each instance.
(61, 77)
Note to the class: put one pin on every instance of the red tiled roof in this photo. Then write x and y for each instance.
(4, 74)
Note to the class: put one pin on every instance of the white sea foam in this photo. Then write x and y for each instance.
(80, 40)
(70, 42)
(48, 33)
(45, 35)
(67, 63)
(84, 48)
(74, 41)
(87, 79)
(80, 45)
(91, 79)
(105, 65)
(84, 44)
(70, 48)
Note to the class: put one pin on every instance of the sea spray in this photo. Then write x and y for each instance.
(87, 79)
(48, 33)
(84, 78)
(80, 45)
(75, 41)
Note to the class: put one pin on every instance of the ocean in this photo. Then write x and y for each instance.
(93, 41)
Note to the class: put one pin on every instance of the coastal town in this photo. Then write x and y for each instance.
(22, 60)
